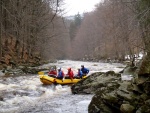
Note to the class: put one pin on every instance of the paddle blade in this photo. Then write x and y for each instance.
(40, 73)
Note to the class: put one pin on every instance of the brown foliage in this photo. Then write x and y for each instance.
(28, 27)
(111, 31)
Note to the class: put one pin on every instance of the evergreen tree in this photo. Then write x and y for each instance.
(74, 26)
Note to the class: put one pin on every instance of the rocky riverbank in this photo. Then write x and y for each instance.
(113, 95)
(25, 69)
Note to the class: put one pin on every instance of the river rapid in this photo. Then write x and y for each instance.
(26, 94)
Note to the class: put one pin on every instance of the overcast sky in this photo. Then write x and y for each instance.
(74, 6)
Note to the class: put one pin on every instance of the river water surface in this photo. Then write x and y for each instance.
(26, 94)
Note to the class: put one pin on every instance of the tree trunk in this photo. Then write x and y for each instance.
(1, 29)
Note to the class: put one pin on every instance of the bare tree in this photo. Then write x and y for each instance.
(110, 31)
(26, 28)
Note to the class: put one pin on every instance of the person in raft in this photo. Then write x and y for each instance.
(84, 70)
(52, 72)
(79, 74)
(70, 74)
(60, 74)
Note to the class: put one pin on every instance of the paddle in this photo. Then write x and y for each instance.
(63, 78)
(40, 73)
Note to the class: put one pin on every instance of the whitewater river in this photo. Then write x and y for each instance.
(26, 94)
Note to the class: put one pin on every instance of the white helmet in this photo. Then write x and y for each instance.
(59, 68)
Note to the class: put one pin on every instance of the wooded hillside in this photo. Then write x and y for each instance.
(113, 30)
(31, 30)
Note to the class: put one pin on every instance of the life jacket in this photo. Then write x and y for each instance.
(85, 70)
(70, 73)
(52, 73)
(61, 74)
(80, 73)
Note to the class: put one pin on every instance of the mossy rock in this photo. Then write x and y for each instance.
(127, 108)
(144, 109)
(144, 68)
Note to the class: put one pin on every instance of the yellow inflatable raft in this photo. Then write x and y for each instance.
(47, 80)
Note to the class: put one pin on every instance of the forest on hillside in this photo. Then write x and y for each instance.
(33, 30)
(113, 30)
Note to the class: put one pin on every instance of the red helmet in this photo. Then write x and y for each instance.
(69, 68)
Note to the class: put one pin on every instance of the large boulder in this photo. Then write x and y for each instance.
(112, 95)
(97, 81)
(144, 67)
(130, 70)
(125, 99)
(111, 99)
(127, 108)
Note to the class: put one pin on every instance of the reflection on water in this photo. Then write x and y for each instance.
(19, 93)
